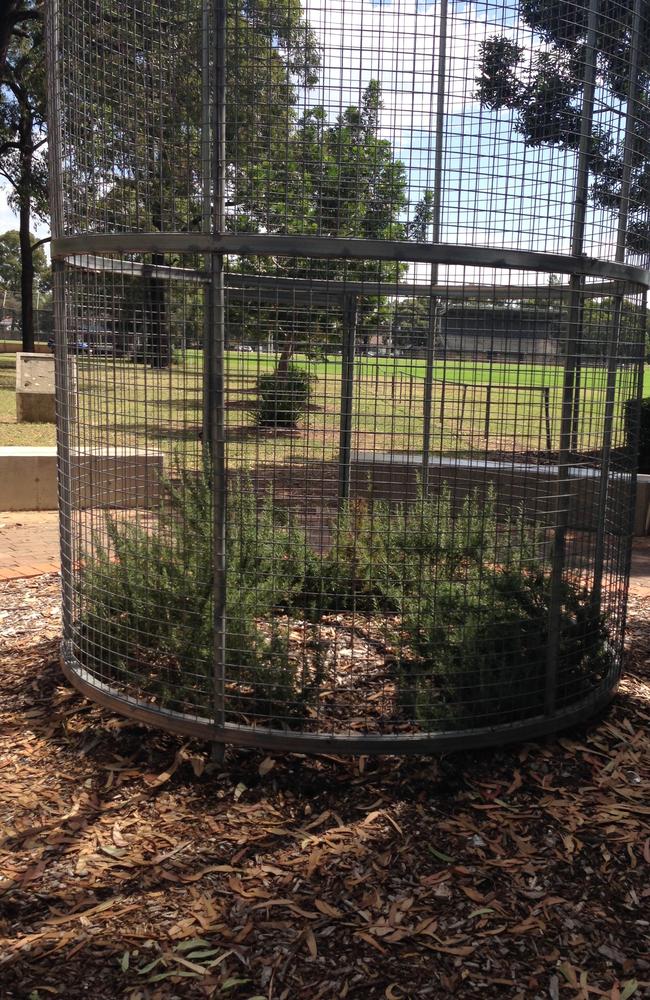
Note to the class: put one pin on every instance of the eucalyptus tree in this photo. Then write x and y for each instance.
(23, 165)
(542, 87)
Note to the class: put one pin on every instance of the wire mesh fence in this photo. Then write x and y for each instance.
(350, 459)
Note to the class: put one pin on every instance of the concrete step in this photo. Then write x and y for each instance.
(102, 477)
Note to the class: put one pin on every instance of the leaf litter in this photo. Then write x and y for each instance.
(132, 866)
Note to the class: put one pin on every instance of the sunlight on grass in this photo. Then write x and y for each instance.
(128, 405)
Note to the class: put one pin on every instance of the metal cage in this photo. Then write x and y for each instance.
(350, 306)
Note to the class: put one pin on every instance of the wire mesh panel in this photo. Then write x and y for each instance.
(350, 303)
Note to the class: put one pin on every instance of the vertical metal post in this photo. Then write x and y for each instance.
(547, 418)
(216, 363)
(347, 392)
(615, 328)
(488, 410)
(206, 216)
(434, 305)
(574, 337)
(63, 386)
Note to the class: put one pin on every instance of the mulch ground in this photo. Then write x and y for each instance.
(132, 866)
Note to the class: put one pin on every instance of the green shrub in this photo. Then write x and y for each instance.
(147, 600)
(381, 552)
(464, 596)
(480, 644)
(640, 423)
(283, 397)
(469, 599)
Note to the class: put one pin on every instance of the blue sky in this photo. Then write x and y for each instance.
(495, 190)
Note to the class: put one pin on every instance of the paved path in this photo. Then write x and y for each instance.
(29, 543)
(29, 546)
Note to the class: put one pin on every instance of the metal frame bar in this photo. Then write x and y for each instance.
(615, 328)
(347, 393)
(569, 413)
(216, 374)
(326, 290)
(62, 363)
(206, 222)
(324, 247)
(275, 739)
(427, 402)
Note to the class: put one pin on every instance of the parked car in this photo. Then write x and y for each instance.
(75, 347)
(103, 348)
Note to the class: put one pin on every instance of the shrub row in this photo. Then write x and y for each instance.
(465, 599)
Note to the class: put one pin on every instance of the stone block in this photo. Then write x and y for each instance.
(642, 509)
(101, 477)
(35, 386)
(116, 477)
(531, 489)
(28, 478)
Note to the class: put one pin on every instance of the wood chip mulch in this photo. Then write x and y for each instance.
(133, 866)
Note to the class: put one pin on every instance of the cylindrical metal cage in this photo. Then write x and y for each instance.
(350, 317)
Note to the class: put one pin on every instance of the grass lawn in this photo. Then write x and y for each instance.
(130, 405)
(11, 432)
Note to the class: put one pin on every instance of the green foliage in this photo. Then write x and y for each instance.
(148, 600)
(283, 397)
(481, 640)
(470, 604)
(381, 552)
(637, 427)
(463, 592)
(10, 264)
(541, 87)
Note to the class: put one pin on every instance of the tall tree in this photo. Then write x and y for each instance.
(15, 16)
(351, 185)
(11, 267)
(137, 155)
(543, 87)
(23, 136)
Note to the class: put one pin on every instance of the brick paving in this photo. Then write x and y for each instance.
(29, 543)
(29, 546)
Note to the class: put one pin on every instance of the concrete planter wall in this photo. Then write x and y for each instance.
(527, 487)
(642, 509)
(100, 477)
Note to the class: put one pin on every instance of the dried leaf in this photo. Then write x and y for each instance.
(311, 943)
(118, 839)
(328, 909)
(267, 765)
(369, 939)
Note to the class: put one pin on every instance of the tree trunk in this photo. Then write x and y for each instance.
(24, 191)
(285, 357)
(26, 273)
(158, 350)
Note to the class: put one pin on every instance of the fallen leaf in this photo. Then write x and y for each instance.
(327, 909)
(311, 943)
(267, 765)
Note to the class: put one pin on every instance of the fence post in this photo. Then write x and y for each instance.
(615, 327)
(347, 392)
(216, 371)
(568, 426)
